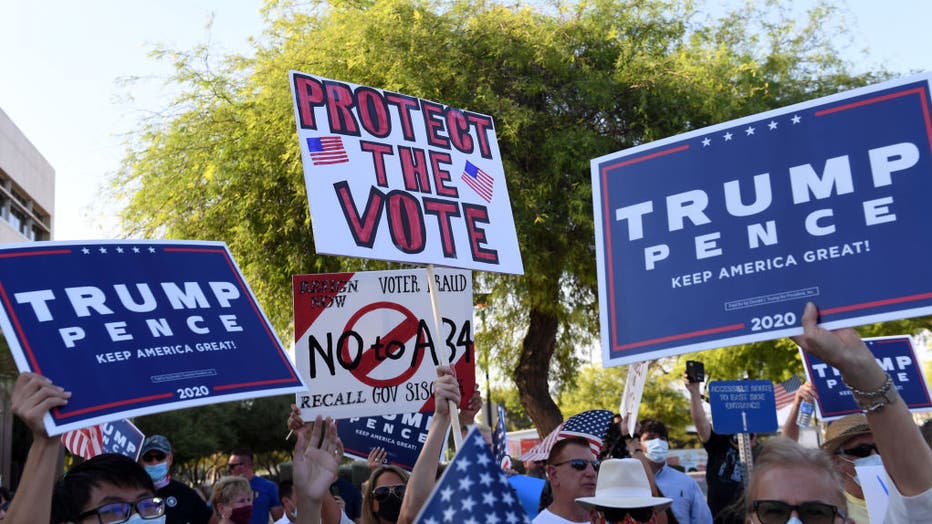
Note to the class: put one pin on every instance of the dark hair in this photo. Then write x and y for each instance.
(614, 445)
(285, 489)
(652, 425)
(73, 490)
(560, 444)
(243, 452)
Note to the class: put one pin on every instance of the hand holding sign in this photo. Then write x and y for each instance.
(33, 397)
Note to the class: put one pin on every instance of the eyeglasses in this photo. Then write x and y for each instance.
(778, 512)
(233, 465)
(154, 456)
(580, 464)
(382, 493)
(620, 514)
(116, 512)
(860, 451)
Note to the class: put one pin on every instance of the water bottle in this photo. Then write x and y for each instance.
(804, 418)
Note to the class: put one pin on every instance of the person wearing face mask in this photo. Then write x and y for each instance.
(182, 504)
(850, 443)
(232, 500)
(383, 494)
(689, 504)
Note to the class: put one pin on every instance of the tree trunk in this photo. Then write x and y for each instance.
(532, 372)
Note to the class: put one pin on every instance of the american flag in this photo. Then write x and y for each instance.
(542, 449)
(473, 490)
(84, 442)
(478, 180)
(590, 425)
(327, 150)
(500, 441)
(784, 391)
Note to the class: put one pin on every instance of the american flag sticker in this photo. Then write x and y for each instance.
(326, 150)
(478, 180)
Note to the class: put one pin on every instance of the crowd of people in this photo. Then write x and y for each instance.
(788, 483)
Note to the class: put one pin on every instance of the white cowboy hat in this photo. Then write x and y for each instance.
(623, 483)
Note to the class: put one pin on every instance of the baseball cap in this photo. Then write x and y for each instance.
(156, 442)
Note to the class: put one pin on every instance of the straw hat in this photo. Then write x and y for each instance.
(623, 483)
(844, 429)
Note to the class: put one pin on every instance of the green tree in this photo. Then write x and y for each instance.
(565, 83)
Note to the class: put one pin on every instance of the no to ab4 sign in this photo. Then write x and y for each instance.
(366, 343)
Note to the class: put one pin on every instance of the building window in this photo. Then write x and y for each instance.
(17, 218)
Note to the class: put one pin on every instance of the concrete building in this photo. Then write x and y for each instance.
(27, 208)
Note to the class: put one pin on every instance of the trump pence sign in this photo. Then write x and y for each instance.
(394, 177)
(720, 236)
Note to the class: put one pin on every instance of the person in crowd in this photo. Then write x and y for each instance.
(232, 500)
(790, 481)
(724, 472)
(182, 504)
(804, 393)
(266, 492)
(624, 494)
(383, 494)
(689, 504)
(351, 496)
(286, 495)
(377, 458)
(572, 470)
(906, 457)
(616, 443)
(850, 442)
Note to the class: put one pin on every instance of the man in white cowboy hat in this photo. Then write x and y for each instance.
(623, 494)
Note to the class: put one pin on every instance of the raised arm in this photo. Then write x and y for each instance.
(906, 457)
(424, 475)
(316, 459)
(33, 396)
(703, 426)
(806, 393)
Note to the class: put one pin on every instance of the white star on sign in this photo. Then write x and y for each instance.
(151, 249)
(706, 141)
(483, 459)
(86, 251)
(749, 130)
(772, 125)
(727, 137)
(465, 484)
(119, 250)
(796, 119)
(485, 479)
(102, 249)
(463, 464)
(448, 514)
(488, 498)
(446, 493)
(468, 503)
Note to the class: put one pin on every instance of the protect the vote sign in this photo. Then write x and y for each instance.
(720, 236)
(134, 327)
(894, 354)
(367, 345)
(394, 177)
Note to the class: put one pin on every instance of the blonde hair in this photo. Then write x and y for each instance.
(226, 489)
(782, 452)
(368, 516)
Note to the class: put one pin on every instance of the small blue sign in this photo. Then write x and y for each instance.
(743, 406)
(123, 437)
(401, 436)
(894, 354)
(741, 223)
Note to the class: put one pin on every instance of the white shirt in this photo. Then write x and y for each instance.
(904, 510)
(546, 517)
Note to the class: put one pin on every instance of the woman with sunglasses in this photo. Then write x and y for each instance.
(382, 495)
(232, 500)
(623, 494)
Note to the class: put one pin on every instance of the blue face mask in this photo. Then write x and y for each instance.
(137, 519)
(657, 450)
(158, 472)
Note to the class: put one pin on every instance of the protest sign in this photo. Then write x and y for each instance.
(134, 327)
(742, 406)
(401, 436)
(394, 177)
(736, 226)
(366, 341)
(894, 354)
(875, 484)
(119, 436)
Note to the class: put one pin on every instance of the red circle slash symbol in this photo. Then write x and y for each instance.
(392, 342)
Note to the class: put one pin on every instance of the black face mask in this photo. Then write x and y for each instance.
(390, 508)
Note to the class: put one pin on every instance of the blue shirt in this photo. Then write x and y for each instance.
(266, 497)
(689, 505)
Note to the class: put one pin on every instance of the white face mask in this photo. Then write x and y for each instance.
(135, 518)
(870, 460)
(657, 450)
(793, 520)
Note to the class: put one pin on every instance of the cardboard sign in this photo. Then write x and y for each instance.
(367, 345)
(743, 406)
(394, 177)
(401, 436)
(134, 327)
(738, 225)
(894, 354)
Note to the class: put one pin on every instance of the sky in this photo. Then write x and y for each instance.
(62, 64)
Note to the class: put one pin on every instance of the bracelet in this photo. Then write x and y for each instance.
(879, 392)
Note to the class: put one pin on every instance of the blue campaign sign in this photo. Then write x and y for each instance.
(401, 436)
(133, 327)
(894, 354)
(123, 437)
(743, 406)
(720, 236)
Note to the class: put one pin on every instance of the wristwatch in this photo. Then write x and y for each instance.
(871, 401)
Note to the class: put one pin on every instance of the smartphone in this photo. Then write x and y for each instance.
(695, 371)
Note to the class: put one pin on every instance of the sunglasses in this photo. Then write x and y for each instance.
(580, 464)
(860, 451)
(233, 465)
(778, 512)
(382, 493)
(622, 514)
(116, 512)
(155, 456)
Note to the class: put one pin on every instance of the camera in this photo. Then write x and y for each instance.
(695, 371)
